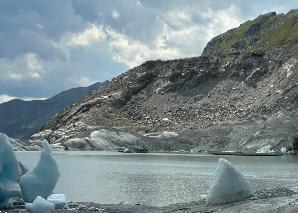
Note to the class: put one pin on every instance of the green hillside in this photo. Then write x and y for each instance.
(265, 31)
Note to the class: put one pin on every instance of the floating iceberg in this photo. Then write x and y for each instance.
(41, 180)
(9, 172)
(40, 205)
(229, 185)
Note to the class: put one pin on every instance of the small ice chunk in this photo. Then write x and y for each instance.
(283, 150)
(40, 205)
(42, 179)
(9, 172)
(229, 185)
(59, 200)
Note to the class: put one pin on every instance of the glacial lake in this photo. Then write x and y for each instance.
(157, 179)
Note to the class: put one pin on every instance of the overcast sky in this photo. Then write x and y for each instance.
(47, 46)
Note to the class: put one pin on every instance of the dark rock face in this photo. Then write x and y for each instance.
(21, 119)
(240, 88)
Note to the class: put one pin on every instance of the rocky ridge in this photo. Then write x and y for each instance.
(233, 97)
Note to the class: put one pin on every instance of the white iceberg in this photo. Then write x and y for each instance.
(42, 179)
(59, 200)
(9, 172)
(229, 185)
(40, 205)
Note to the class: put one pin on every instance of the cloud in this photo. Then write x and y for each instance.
(221, 21)
(83, 81)
(34, 66)
(91, 34)
(72, 43)
(6, 98)
(115, 14)
(14, 76)
(177, 37)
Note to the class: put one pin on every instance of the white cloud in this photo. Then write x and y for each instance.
(139, 3)
(115, 14)
(221, 21)
(179, 36)
(6, 98)
(82, 81)
(133, 52)
(91, 34)
(14, 76)
(34, 66)
(39, 26)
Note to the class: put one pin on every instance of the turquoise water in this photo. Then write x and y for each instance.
(157, 179)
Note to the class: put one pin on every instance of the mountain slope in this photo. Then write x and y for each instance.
(232, 94)
(21, 119)
(262, 33)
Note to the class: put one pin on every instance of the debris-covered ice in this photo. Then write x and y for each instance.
(229, 185)
(105, 139)
(41, 180)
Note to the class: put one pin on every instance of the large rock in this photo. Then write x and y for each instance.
(229, 185)
(41, 180)
(9, 172)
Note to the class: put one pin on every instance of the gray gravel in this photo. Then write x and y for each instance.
(284, 199)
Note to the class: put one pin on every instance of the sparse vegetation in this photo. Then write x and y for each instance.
(263, 32)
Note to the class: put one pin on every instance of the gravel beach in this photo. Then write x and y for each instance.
(275, 200)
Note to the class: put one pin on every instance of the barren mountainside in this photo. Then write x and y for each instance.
(242, 93)
(21, 119)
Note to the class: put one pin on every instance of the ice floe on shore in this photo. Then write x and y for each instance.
(41, 180)
(9, 172)
(229, 185)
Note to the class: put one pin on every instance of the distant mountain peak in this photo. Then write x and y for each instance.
(21, 119)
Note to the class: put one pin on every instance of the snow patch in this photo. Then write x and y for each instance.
(288, 67)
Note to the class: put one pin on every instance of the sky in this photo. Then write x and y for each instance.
(52, 45)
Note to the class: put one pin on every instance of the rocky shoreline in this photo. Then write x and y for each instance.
(268, 200)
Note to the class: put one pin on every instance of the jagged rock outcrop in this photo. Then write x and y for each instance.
(231, 97)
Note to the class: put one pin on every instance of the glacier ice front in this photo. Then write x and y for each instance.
(42, 179)
(9, 172)
(229, 185)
